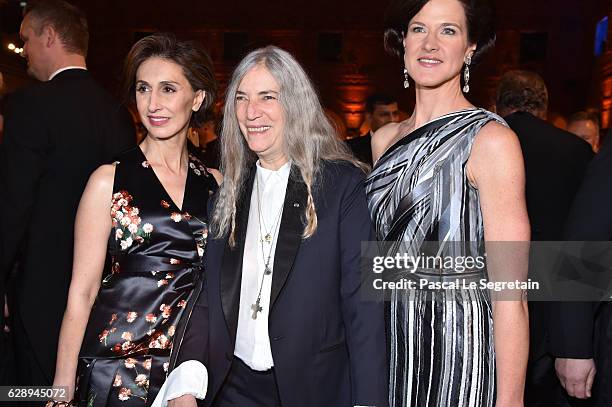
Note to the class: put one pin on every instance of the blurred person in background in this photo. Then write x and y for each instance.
(56, 133)
(555, 162)
(585, 124)
(380, 110)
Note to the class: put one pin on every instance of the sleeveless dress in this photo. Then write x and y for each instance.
(440, 342)
(141, 311)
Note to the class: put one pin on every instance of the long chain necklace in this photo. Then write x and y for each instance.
(268, 238)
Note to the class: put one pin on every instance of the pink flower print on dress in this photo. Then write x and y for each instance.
(127, 222)
(124, 394)
(181, 304)
(151, 318)
(164, 341)
(171, 330)
(128, 336)
(146, 164)
(159, 341)
(147, 364)
(142, 380)
(127, 345)
(127, 243)
(113, 319)
(130, 363)
(166, 310)
(117, 382)
(131, 316)
(175, 216)
(165, 204)
(103, 336)
(162, 282)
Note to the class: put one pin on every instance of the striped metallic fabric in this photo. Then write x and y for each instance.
(440, 343)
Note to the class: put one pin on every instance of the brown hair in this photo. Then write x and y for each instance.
(67, 20)
(478, 14)
(189, 55)
(585, 115)
(523, 91)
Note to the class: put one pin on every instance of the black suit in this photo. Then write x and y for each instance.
(583, 330)
(362, 147)
(56, 134)
(555, 161)
(328, 345)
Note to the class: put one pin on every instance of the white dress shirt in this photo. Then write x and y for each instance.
(252, 339)
(54, 74)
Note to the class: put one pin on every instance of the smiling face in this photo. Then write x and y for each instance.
(436, 43)
(261, 116)
(164, 98)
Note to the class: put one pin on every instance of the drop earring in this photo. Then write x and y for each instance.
(406, 81)
(466, 74)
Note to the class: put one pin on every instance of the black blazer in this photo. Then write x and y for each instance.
(583, 330)
(56, 134)
(328, 344)
(362, 147)
(590, 220)
(555, 161)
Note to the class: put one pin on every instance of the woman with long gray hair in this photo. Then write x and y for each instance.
(287, 324)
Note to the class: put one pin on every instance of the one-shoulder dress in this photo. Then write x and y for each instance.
(140, 313)
(440, 342)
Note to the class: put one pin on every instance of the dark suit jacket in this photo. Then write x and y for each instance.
(555, 161)
(590, 220)
(328, 344)
(362, 147)
(583, 330)
(56, 134)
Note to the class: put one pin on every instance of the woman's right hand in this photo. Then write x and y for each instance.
(186, 400)
(68, 396)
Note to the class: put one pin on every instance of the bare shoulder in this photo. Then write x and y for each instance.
(496, 150)
(102, 179)
(387, 135)
(217, 174)
(495, 136)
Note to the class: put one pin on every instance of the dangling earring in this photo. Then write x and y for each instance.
(406, 82)
(466, 74)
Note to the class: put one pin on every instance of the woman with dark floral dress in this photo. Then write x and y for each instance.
(128, 322)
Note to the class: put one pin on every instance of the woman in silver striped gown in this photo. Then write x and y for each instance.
(450, 174)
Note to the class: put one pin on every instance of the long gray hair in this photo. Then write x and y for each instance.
(308, 137)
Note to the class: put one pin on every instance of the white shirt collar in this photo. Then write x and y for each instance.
(54, 74)
(265, 174)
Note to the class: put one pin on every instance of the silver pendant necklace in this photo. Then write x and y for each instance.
(268, 238)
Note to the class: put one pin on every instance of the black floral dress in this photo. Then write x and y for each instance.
(145, 299)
